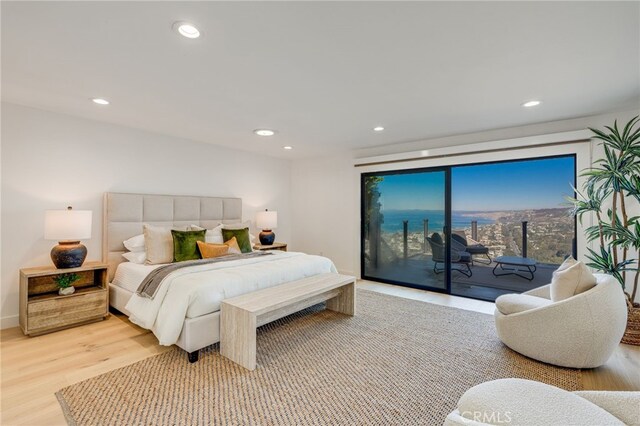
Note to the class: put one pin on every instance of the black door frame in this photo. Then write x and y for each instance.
(447, 225)
(447, 214)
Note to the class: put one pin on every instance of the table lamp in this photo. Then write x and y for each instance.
(267, 221)
(68, 227)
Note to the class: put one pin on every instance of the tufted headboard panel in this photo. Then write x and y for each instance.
(124, 215)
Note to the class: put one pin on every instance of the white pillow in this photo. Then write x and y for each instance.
(135, 244)
(571, 278)
(215, 235)
(212, 235)
(158, 243)
(135, 256)
(509, 304)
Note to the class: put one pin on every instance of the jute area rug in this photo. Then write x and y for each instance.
(397, 362)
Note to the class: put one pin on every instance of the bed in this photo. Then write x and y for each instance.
(186, 311)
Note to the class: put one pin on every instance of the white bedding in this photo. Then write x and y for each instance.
(199, 290)
(129, 275)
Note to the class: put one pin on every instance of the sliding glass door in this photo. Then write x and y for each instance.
(478, 230)
(513, 211)
(404, 217)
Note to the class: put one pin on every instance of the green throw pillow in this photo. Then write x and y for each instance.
(185, 246)
(242, 236)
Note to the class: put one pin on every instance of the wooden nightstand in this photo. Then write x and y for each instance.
(43, 310)
(274, 246)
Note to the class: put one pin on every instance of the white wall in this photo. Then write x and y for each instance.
(326, 194)
(325, 197)
(51, 160)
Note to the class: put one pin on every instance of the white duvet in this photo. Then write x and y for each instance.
(199, 290)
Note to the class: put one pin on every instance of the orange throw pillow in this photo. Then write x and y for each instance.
(233, 246)
(210, 250)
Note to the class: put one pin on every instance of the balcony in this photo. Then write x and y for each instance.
(406, 257)
(481, 285)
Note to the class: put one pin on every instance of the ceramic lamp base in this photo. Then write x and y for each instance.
(267, 237)
(68, 254)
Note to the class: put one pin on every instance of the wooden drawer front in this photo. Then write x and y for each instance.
(63, 311)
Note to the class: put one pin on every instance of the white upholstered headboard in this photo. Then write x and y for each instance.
(124, 215)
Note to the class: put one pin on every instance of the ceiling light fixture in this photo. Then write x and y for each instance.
(288, 147)
(100, 101)
(186, 29)
(378, 129)
(264, 132)
(530, 104)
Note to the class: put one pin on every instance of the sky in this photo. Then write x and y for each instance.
(519, 185)
(422, 191)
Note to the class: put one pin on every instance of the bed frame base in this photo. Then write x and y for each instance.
(197, 333)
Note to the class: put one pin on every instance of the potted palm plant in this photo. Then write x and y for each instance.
(611, 192)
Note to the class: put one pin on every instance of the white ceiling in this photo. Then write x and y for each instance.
(322, 73)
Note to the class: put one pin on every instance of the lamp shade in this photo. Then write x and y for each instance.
(267, 219)
(67, 225)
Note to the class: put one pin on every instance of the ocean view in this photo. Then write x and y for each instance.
(393, 220)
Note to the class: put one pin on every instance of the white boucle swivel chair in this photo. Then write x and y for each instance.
(579, 332)
(519, 402)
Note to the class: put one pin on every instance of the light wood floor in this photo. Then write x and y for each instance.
(33, 369)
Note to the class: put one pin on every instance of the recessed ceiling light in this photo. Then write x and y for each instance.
(100, 101)
(264, 132)
(531, 104)
(378, 129)
(287, 147)
(186, 29)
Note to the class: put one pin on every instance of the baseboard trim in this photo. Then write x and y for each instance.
(9, 322)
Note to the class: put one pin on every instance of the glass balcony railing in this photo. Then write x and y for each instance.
(548, 242)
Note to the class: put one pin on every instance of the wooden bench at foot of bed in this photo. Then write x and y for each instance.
(240, 316)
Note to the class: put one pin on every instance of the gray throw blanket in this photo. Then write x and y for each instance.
(151, 283)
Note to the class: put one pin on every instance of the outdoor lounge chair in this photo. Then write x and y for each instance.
(459, 241)
(460, 259)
